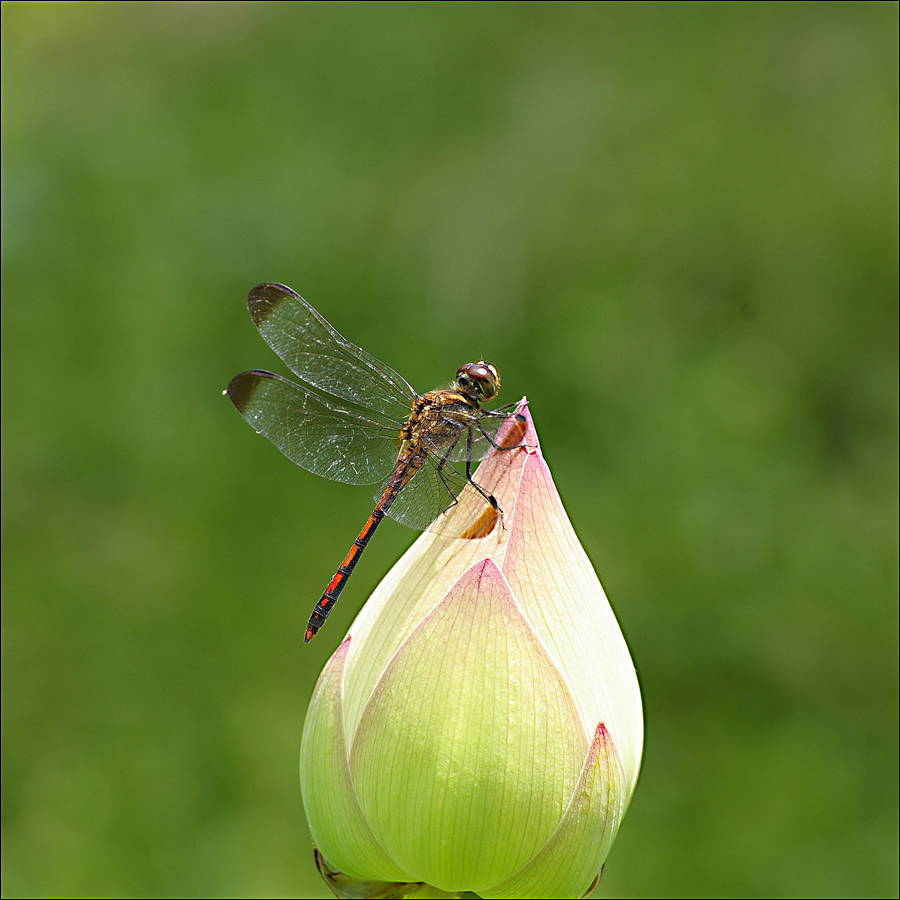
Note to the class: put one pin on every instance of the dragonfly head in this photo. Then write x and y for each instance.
(479, 381)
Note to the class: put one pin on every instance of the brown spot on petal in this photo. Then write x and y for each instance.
(483, 525)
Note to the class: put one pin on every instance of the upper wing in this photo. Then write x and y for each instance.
(314, 432)
(321, 357)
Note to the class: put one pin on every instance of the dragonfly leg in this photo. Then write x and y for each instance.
(486, 494)
(443, 463)
(470, 438)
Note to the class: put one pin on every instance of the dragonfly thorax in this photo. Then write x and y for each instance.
(479, 381)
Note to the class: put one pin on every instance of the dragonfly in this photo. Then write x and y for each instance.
(355, 420)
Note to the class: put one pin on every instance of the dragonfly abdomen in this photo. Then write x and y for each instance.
(407, 466)
(345, 570)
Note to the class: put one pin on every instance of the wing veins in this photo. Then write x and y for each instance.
(313, 431)
(321, 356)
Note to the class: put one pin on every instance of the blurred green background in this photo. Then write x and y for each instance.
(672, 226)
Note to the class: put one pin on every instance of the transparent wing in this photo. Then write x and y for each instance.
(312, 349)
(314, 432)
(426, 495)
(440, 498)
(484, 432)
(434, 490)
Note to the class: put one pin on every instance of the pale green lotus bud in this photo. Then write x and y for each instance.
(480, 727)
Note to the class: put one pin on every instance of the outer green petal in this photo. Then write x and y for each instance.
(470, 745)
(570, 860)
(555, 583)
(335, 818)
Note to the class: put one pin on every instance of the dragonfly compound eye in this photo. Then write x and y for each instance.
(480, 379)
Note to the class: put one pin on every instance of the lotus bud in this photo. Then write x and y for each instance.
(480, 727)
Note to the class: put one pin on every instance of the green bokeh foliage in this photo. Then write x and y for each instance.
(674, 226)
